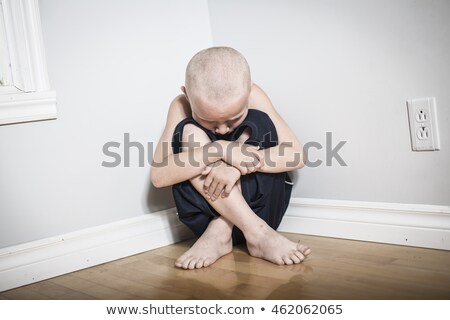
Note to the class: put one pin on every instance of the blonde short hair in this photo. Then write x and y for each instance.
(217, 75)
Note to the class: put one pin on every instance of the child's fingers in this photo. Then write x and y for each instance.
(217, 191)
(251, 167)
(212, 187)
(257, 156)
(227, 190)
(207, 183)
(262, 158)
(206, 171)
(243, 168)
(255, 163)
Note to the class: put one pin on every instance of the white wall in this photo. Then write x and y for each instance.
(115, 66)
(341, 66)
(348, 67)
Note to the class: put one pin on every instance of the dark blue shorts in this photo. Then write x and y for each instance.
(267, 194)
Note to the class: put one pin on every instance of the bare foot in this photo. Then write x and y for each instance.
(214, 243)
(268, 244)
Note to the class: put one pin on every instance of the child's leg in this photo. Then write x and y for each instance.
(215, 241)
(262, 240)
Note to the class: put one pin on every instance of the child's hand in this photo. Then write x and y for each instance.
(220, 179)
(244, 157)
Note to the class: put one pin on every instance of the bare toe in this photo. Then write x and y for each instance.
(299, 255)
(192, 264)
(200, 263)
(180, 261)
(279, 261)
(287, 260)
(207, 262)
(186, 263)
(294, 258)
(304, 249)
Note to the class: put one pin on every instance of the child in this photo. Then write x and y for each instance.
(228, 161)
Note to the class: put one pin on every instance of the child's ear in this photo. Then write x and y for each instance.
(183, 88)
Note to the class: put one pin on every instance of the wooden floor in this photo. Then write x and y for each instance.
(337, 269)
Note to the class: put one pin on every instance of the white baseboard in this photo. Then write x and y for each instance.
(43, 259)
(404, 224)
(426, 226)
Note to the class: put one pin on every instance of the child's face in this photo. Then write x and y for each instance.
(222, 118)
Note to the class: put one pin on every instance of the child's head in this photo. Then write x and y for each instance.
(218, 86)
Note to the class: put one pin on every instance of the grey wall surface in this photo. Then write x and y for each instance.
(345, 67)
(348, 67)
(115, 65)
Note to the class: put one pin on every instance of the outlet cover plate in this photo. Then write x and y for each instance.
(423, 125)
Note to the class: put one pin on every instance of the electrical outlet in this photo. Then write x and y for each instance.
(423, 124)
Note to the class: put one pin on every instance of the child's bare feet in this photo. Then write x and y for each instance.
(268, 244)
(214, 243)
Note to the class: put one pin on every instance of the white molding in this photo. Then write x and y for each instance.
(25, 45)
(43, 259)
(426, 226)
(24, 107)
(28, 65)
(5, 69)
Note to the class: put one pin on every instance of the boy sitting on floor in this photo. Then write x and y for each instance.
(228, 161)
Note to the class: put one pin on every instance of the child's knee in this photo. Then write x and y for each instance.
(193, 137)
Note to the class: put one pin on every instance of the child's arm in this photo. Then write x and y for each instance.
(288, 154)
(166, 168)
(221, 177)
(169, 169)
